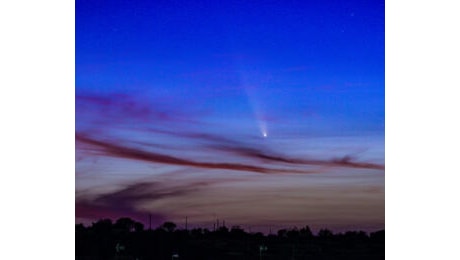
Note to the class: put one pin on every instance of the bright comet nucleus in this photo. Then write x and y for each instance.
(263, 129)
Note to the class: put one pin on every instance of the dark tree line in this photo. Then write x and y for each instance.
(128, 239)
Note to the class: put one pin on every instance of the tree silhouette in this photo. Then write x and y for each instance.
(102, 226)
(222, 230)
(138, 227)
(79, 228)
(282, 232)
(325, 233)
(169, 226)
(124, 224)
(293, 233)
(102, 239)
(306, 232)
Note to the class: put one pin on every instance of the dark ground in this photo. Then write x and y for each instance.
(127, 239)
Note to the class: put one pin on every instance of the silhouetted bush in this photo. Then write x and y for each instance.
(127, 239)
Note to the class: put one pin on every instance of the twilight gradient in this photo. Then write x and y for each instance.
(260, 113)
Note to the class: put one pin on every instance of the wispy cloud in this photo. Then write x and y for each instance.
(128, 201)
(126, 152)
(123, 151)
(225, 144)
(118, 108)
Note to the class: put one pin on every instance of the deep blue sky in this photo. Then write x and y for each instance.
(202, 81)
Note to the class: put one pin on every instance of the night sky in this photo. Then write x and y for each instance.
(260, 113)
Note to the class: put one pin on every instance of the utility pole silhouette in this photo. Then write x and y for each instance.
(150, 221)
(186, 223)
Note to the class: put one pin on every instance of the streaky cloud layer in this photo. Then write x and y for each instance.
(119, 151)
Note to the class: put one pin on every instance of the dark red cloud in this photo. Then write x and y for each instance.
(116, 108)
(122, 151)
(93, 210)
(126, 152)
(225, 144)
(124, 202)
(118, 204)
(345, 161)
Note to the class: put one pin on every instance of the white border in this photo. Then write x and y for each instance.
(37, 136)
(422, 128)
(37, 108)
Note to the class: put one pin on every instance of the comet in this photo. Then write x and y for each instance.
(263, 128)
(254, 99)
